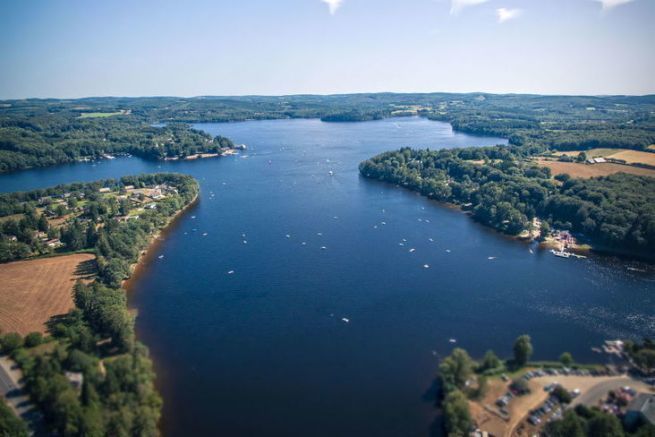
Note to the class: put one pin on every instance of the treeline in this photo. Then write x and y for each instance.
(42, 137)
(95, 343)
(555, 122)
(35, 132)
(355, 115)
(506, 192)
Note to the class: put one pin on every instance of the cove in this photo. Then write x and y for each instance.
(266, 350)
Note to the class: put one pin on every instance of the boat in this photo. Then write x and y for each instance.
(452, 340)
(161, 257)
(560, 253)
(331, 173)
(345, 319)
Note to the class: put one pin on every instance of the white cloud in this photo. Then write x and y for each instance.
(610, 4)
(333, 5)
(505, 14)
(457, 5)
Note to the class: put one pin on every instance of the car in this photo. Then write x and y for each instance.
(534, 420)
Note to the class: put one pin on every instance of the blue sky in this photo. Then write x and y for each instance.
(70, 48)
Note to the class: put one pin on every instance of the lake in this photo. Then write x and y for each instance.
(329, 323)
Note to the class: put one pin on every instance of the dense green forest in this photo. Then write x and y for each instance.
(42, 132)
(96, 340)
(504, 190)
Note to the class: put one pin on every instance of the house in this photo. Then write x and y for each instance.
(76, 379)
(129, 187)
(54, 243)
(599, 160)
(641, 409)
(104, 190)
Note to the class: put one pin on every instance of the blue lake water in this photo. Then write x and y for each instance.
(266, 350)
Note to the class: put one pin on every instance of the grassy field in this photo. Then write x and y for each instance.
(101, 114)
(629, 156)
(33, 291)
(635, 156)
(591, 153)
(584, 171)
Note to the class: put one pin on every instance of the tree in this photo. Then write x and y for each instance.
(33, 339)
(604, 425)
(582, 157)
(522, 350)
(562, 394)
(10, 342)
(457, 416)
(456, 369)
(10, 425)
(490, 361)
(566, 359)
(569, 426)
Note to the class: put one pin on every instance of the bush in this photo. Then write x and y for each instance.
(562, 394)
(33, 339)
(566, 359)
(10, 342)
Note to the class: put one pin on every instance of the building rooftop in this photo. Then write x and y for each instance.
(644, 403)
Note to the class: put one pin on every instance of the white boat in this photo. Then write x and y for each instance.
(345, 319)
(560, 253)
(161, 257)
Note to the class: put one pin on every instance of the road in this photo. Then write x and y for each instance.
(12, 390)
(599, 391)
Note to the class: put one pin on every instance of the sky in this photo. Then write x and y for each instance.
(79, 48)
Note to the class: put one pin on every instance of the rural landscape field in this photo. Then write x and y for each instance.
(32, 292)
(327, 218)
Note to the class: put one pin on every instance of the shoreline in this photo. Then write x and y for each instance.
(585, 248)
(146, 254)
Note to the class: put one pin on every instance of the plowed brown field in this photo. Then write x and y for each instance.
(33, 291)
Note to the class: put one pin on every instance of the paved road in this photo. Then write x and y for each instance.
(11, 389)
(599, 391)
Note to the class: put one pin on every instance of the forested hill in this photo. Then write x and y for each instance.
(506, 191)
(44, 135)
(36, 132)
